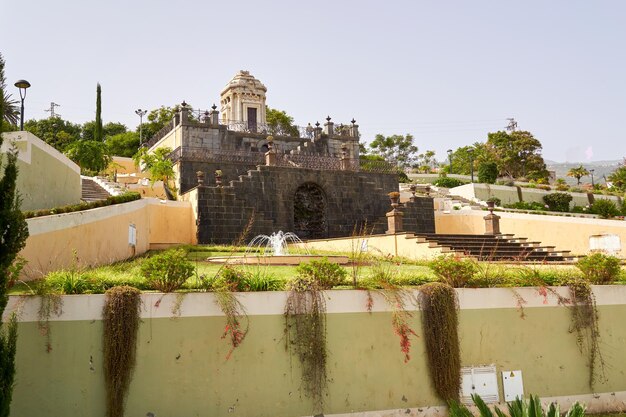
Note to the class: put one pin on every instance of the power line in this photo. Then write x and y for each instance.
(51, 110)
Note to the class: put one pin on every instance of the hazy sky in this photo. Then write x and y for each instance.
(447, 72)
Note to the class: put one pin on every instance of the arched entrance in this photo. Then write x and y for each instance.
(309, 211)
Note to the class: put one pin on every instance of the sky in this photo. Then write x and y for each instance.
(447, 72)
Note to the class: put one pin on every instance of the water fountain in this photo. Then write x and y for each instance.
(274, 250)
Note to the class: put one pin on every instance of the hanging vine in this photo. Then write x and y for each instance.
(440, 327)
(305, 330)
(120, 318)
(585, 324)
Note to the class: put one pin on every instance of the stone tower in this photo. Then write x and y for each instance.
(243, 101)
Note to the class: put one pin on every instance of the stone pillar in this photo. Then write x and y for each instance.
(345, 158)
(329, 127)
(394, 217)
(492, 221)
(413, 188)
(270, 155)
(215, 116)
(317, 132)
(184, 113)
(354, 129)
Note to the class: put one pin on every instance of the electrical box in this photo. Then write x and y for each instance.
(132, 235)
(481, 380)
(513, 385)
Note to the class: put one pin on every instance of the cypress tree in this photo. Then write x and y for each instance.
(97, 130)
(13, 234)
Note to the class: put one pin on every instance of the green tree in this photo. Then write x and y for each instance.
(487, 172)
(578, 173)
(109, 129)
(123, 144)
(280, 123)
(8, 107)
(13, 234)
(54, 131)
(92, 156)
(97, 130)
(518, 154)
(156, 119)
(399, 148)
(618, 177)
(480, 153)
(159, 166)
(425, 161)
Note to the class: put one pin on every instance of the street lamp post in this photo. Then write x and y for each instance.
(471, 158)
(22, 85)
(524, 167)
(141, 114)
(591, 171)
(450, 159)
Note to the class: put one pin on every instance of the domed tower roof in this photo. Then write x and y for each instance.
(243, 80)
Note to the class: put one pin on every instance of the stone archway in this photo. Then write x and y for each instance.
(309, 211)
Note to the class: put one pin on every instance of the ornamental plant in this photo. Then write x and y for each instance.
(453, 270)
(326, 274)
(599, 268)
(167, 271)
(558, 201)
(604, 208)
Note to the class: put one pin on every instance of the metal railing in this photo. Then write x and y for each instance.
(381, 167)
(268, 129)
(161, 133)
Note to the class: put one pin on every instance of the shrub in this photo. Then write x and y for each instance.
(453, 270)
(167, 271)
(68, 282)
(327, 274)
(524, 205)
(604, 208)
(448, 182)
(488, 172)
(230, 278)
(599, 268)
(111, 200)
(517, 408)
(558, 201)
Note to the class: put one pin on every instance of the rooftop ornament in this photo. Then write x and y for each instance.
(328, 118)
(353, 121)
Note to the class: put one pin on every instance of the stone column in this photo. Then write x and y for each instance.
(354, 129)
(184, 113)
(215, 116)
(329, 128)
(270, 155)
(317, 132)
(394, 217)
(345, 158)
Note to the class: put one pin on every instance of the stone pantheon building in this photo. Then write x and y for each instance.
(239, 170)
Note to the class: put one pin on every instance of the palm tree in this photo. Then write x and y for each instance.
(578, 173)
(8, 106)
(618, 177)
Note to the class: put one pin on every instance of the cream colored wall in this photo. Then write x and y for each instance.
(182, 369)
(46, 177)
(566, 233)
(122, 165)
(378, 245)
(100, 236)
(171, 140)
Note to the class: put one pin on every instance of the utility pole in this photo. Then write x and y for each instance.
(51, 110)
(512, 126)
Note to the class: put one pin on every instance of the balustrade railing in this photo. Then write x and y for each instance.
(210, 155)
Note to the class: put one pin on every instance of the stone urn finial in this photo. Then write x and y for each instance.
(490, 206)
(200, 175)
(413, 188)
(395, 199)
(218, 177)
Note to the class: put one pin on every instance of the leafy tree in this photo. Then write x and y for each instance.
(54, 131)
(156, 119)
(425, 161)
(488, 172)
(578, 173)
(461, 157)
(8, 107)
(97, 130)
(399, 148)
(280, 123)
(109, 129)
(13, 234)
(159, 166)
(92, 156)
(518, 154)
(618, 177)
(123, 144)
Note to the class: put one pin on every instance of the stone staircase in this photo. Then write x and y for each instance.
(494, 248)
(91, 191)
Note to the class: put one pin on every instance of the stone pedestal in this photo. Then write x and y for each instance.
(345, 164)
(270, 158)
(394, 222)
(492, 224)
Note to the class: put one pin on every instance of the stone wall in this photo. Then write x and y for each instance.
(267, 194)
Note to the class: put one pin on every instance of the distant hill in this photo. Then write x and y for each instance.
(601, 169)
